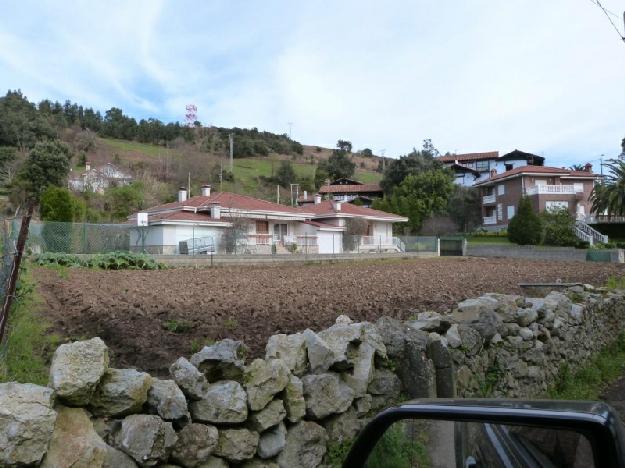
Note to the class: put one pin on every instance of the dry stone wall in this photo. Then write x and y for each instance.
(311, 391)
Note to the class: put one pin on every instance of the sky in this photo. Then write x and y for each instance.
(543, 76)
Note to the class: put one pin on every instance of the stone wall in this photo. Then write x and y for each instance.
(537, 252)
(310, 392)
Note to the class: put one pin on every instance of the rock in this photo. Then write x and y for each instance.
(393, 334)
(363, 405)
(190, 380)
(472, 341)
(343, 320)
(294, 403)
(117, 459)
(166, 398)
(426, 321)
(577, 313)
(223, 402)
(305, 446)
(74, 442)
(269, 416)
(214, 462)
(26, 422)
(291, 349)
(363, 361)
(464, 378)
(453, 336)
(272, 442)
(526, 316)
(385, 382)
(487, 325)
(478, 305)
(221, 361)
(263, 379)
(526, 333)
(496, 339)
(256, 463)
(195, 444)
(415, 370)
(121, 392)
(326, 394)
(146, 438)
(340, 338)
(237, 444)
(319, 353)
(344, 427)
(77, 368)
(558, 302)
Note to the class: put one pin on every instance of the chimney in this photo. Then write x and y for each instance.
(182, 194)
(317, 199)
(215, 211)
(206, 190)
(305, 195)
(337, 205)
(588, 167)
(87, 166)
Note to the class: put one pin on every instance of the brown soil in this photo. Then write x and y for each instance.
(150, 318)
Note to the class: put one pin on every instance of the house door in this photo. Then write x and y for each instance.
(279, 232)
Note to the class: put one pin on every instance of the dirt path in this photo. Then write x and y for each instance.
(149, 318)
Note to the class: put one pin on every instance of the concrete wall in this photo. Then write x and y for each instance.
(535, 252)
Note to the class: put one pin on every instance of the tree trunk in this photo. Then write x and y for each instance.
(15, 269)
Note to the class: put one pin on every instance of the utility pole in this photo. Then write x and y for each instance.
(189, 186)
(294, 199)
(290, 124)
(383, 152)
(278, 194)
(231, 139)
(221, 174)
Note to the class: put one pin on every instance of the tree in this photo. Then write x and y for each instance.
(412, 163)
(47, 164)
(526, 227)
(419, 196)
(367, 152)
(21, 125)
(344, 145)
(465, 208)
(122, 201)
(321, 174)
(558, 228)
(57, 207)
(285, 174)
(609, 195)
(339, 165)
(577, 167)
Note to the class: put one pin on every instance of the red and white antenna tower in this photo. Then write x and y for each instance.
(191, 115)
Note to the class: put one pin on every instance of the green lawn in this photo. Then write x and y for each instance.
(368, 177)
(488, 240)
(135, 147)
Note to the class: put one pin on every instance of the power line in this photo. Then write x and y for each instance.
(607, 14)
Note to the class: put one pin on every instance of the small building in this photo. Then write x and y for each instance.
(225, 222)
(347, 190)
(548, 188)
(473, 168)
(97, 179)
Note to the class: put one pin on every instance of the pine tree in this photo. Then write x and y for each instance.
(526, 227)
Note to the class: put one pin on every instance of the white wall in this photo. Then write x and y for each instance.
(330, 242)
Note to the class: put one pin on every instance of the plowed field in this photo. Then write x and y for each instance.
(149, 318)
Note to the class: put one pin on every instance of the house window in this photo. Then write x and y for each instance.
(510, 212)
(509, 167)
(481, 166)
(556, 205)
(499, 212)
(279, 231)
(501, 189)
(578, 187)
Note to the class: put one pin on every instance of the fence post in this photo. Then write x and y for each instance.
(438, 246)
(379, 244)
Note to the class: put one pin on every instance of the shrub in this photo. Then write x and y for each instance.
(580, 244)
(559, 228)
(108, 261)
(526, 227)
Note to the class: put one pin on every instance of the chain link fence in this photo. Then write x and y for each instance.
(9, 230)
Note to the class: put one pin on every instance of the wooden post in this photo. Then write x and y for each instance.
(15, 269)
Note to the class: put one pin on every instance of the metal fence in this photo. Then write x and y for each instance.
(8, 233)
(86, 238)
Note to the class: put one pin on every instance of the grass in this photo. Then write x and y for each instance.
(616, 282)
(587, 382)
(135, 147)
(488, 240)
(367, 177)
(29, 346)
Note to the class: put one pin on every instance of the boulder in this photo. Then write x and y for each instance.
(263, 379)
(196, 442)
(487, 324)
(237, 444)
(360, 376)
(526, 316)
(415, 370)
(223, 402)
(363, 405)
(305, 446)
(74, 442)
(319, 353)
(222, 361)
(340, 337)
(291, 349)
(526, 333)
(76, 370)
(472, 341)
(393, 334)
(344, 427)
(294, 403)
(146, 438)
(166, 399)
(453, 336)
(431, 322)
(326, 394)
(478, 305)
(269, 416)
(214, 462)
(121, 392)
(271, 442)
(117, 459)
(190, 380)
(26, 422)
(385, 382)
(256, 463)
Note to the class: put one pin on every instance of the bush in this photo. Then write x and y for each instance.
(108, 261)
(582, 244)
(559, 228)
(526, 227)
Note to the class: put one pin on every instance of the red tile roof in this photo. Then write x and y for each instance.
(350, 188)
(469, 157)
(229, 200)
(327, 207)
(539, 170)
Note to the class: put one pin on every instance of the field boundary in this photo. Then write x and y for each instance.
(536, 252)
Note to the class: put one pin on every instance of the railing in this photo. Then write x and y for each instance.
(261, 239)
(382, 242)
(558, 189)
(489, 220)
(489, 199)
(605, 219)
(595, 236)
(306, 241)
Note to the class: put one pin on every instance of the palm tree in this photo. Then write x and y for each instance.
(577, 167)
(609, 195)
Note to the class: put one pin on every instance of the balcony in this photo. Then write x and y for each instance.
(555, 189)
(489, 199)
(489, 220)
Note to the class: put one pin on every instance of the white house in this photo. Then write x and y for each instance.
(96, 179)
(226, 222)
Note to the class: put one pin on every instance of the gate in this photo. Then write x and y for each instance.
(453, 246)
